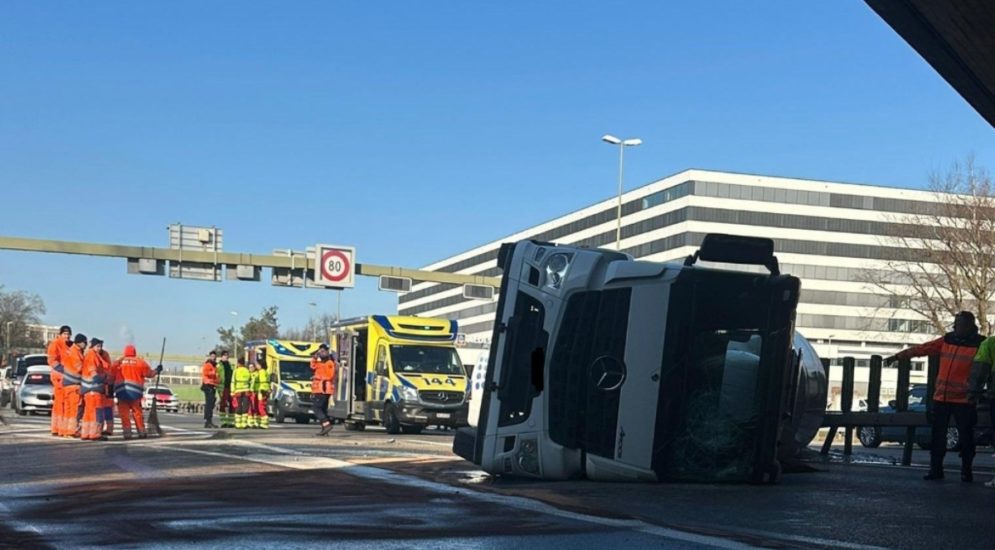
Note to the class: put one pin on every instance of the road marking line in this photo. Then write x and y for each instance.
(436, 443)
(307, 462)
(21, 526)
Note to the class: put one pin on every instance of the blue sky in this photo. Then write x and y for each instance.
(415, 130)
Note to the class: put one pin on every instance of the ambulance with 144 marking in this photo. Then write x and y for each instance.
(402, 372)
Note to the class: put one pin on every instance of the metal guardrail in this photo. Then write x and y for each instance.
(848, 419)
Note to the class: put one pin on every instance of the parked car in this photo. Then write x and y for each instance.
(873, 436)
(34, 392)
(24, 362)
(165, 399)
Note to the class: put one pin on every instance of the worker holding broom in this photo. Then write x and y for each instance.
(129, 387)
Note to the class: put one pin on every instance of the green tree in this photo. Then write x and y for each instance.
(266, 325)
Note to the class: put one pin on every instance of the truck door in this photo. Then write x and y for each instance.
(516, 379)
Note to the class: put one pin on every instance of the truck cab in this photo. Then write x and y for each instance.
(606, 368)
(401, 372)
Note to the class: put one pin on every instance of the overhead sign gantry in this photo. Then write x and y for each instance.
(201, 257)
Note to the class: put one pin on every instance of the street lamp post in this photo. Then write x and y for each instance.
(6, 347)
(234, 332)
(622, 144)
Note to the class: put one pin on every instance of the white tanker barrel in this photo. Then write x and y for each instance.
(809, 403)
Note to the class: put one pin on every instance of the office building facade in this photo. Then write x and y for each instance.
(834, 236)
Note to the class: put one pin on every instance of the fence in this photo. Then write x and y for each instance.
(849, 420)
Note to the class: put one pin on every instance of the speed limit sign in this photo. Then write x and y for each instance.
(336, 266)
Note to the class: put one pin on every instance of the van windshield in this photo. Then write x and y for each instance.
(425, 360)
(295, 371)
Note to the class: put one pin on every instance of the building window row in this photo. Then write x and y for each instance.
(719, 190)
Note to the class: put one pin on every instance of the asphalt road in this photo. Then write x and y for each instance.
(286, 488)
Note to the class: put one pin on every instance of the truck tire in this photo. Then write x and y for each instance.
(354, 426)
(390, 420)
(414, 430)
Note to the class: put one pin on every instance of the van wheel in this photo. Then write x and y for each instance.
(279, 417)
(354, 426)
(390, 421)
(412, 429)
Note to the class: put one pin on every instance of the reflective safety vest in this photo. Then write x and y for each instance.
(241, 380)
(224, 374)
(72, 363)
(956, 357)
(262, 380)
(209, 374)
(130, 382)
(323, 379)
(95, 370)
(58, 349)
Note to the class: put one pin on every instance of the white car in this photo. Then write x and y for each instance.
(164, 397)
(34, 391)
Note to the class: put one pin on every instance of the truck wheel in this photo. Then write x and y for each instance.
(415, 430)
(354, 426)
(390, 421)
(869, 436)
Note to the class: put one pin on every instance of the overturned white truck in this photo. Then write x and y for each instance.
(613, 369)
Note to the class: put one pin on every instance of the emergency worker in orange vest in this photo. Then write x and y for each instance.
(129, 388)
(95, 369)
(956, 350)
(323, 386)
(106, 416)
(72, 379)
(57, 351)
(209, 385)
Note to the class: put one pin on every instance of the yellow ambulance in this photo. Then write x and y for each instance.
(401, 372)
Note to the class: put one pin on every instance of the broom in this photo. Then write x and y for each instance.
(153, 414)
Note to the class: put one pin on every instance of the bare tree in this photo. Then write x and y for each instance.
(316, 329)
(944, 254)
(20, 309)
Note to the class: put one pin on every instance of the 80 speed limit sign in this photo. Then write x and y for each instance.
(336, 266)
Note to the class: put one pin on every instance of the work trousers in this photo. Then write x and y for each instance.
(57, 408)
(128, 410)
(210, 396)
(70, 404)
(966, 418)
(89, 427)
(321, 402)
(226, 407)
(262, 400)
(106, 417)
(242, 410)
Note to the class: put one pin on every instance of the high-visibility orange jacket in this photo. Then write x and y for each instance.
(95, 370)
(956, 357)
(72, 374)
(323, 377)
(130, 382)
(57, 351)
(209, 374)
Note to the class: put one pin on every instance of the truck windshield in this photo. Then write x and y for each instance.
(295, 371)
(425, 360)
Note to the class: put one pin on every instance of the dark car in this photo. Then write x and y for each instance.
(872, 436)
